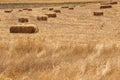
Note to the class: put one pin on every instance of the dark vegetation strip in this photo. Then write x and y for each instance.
(21, 5)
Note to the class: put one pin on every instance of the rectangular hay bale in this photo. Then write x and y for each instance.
(19, 10)
(23, 20)
(105, 6)
(57, 11)
(23, 29)
(64, 7)
(8, 11)
(98, 13)
(113, 2)
(42, 18)
(71, 8)
(51, 15)
(51, 9)
(27, 9)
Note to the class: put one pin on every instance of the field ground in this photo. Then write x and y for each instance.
(73, 46)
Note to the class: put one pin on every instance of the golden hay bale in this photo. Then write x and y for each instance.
(51, 9)
(71, 8)
(105, 6)
(23, 29)
(57, 11)
(42, 18)
(8, 11)
(113, 2)
(64, 7)
(27, 9)
(98, 13)
(51, 15)
(19, 10)
(23, 20)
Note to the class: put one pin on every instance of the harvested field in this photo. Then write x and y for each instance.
(79, 44)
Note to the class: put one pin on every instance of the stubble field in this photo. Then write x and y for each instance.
(76, 45)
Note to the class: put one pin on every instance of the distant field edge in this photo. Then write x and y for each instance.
(17, 5)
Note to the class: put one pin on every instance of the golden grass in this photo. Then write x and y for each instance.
(35, 60)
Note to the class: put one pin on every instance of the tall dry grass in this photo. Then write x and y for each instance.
(36, 59)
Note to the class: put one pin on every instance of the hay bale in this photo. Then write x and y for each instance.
(105, 6)
(64, 7)
(51, 15)
(8, 11)
(57, 11)
(23, 20)
(19, 10)
(24, 29)
(27, 9)
(51, 9)
(113, 3)
(98, 13)
(71, 8)
(42, 18)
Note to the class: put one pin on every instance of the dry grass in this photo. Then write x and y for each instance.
(35, 60)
